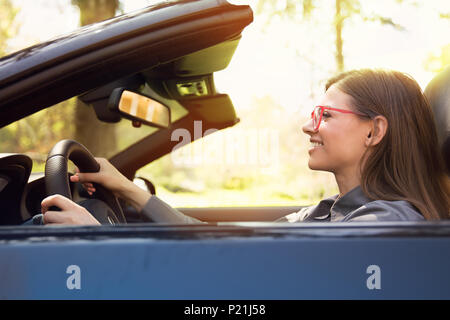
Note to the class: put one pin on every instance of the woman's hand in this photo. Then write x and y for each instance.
(108, 176)
(111, 178)
(70, 214)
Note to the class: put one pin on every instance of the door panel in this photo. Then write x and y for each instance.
(239, 213)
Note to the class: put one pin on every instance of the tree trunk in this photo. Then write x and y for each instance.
(103, 143)
(339, 21)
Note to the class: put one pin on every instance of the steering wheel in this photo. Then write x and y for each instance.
(57, 179)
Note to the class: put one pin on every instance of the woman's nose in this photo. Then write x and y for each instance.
(308, 127)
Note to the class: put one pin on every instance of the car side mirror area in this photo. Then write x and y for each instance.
(139, 108)
(145, 184)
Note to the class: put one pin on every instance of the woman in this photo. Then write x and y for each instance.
(373, 129)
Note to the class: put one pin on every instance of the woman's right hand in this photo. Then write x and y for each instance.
(111, 178)
(108, 176)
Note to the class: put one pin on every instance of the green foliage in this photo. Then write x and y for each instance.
(237, 182)
(7, 27)
(291, 9)
(36, 134)
(344, 10)
(438, 62)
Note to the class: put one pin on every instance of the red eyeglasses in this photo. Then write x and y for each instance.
(317, 114)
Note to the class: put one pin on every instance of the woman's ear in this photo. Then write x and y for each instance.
(378, 131)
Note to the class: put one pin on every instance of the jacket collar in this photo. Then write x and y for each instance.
(349, 202)
(335, 209)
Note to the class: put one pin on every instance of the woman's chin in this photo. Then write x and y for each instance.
(315, 165)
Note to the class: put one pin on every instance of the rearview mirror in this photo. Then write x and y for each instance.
(138, 107)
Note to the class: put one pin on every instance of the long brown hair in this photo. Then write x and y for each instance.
(406, 164)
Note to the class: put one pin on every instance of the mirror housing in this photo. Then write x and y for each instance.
(139, 108)
(145, 184)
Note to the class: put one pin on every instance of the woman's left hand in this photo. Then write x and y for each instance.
(70, 214)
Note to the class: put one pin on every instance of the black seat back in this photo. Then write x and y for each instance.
(15, 170)
(438, 94)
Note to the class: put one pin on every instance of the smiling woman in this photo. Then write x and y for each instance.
(397, 150)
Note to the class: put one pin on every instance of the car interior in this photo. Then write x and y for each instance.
(185, 83)
(168, 56)
(167, 52)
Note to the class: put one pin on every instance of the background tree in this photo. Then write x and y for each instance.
(437, 62)
(104, 141)
(344, 10)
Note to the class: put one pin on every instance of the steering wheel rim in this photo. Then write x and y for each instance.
(57, 178)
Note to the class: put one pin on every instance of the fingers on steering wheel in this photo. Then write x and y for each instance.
(58, 201)
(89, 186)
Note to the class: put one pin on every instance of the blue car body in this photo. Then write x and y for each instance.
(227, 261)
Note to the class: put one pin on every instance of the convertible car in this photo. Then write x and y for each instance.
(155, 67)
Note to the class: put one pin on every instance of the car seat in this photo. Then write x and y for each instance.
(15, 170)
(438, 94)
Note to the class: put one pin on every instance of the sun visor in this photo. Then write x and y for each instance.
(208, 60)
(215, 109)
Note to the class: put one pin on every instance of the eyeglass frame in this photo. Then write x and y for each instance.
(333, 109)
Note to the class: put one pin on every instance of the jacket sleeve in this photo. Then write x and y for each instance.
(298, 216)
(159, 211)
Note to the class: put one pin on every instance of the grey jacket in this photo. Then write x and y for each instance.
(353, 206)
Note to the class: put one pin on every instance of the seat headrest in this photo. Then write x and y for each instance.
(438, 94)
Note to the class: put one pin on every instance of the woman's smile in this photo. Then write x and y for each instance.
(314, 145)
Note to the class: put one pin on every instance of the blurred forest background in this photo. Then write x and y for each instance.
(277, 74)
